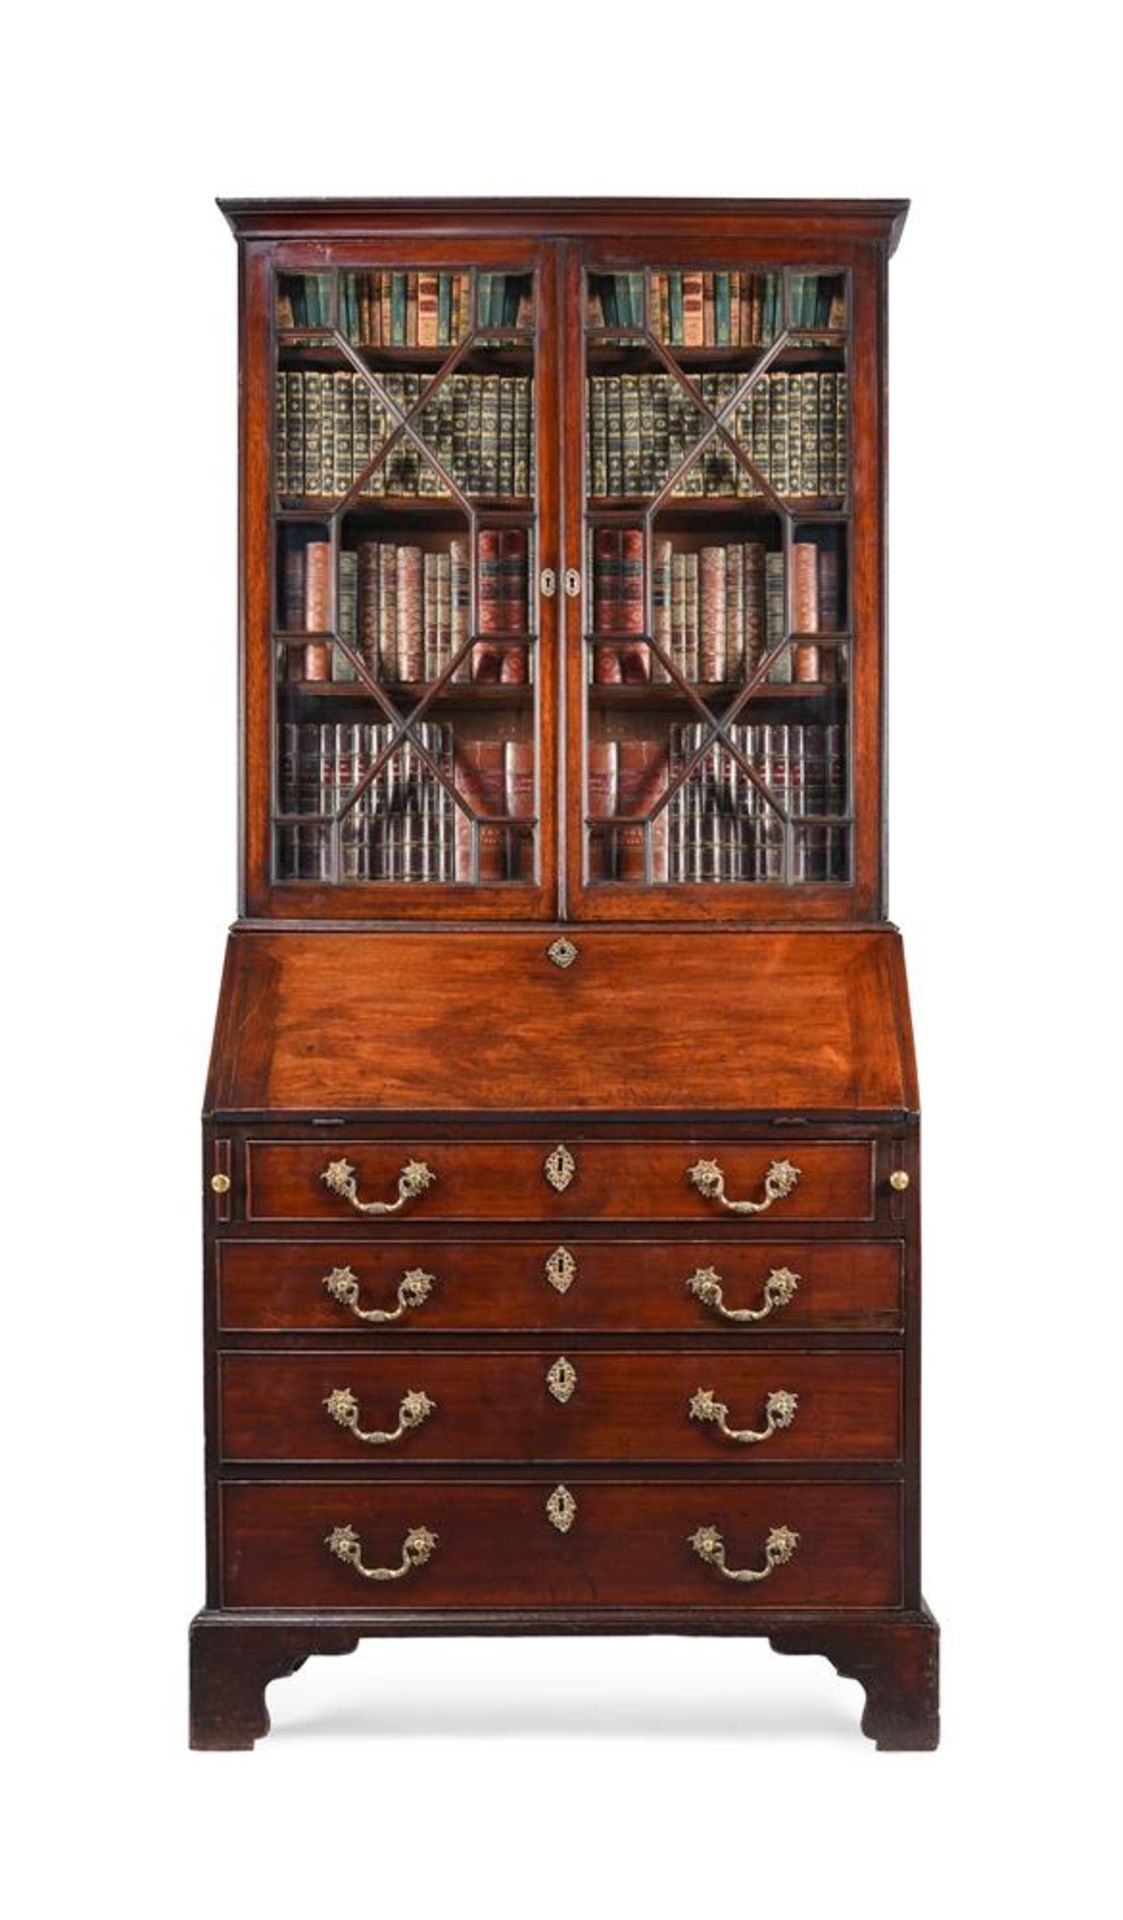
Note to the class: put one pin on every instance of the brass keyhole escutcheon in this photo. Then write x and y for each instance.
(559, 1168)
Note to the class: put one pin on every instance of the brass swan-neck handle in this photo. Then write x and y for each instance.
(417, 1547)
(778, 1550)
(779, 1181)
(414, 1178)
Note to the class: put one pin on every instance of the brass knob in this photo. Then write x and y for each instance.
(899, 1180)
(220, 1183)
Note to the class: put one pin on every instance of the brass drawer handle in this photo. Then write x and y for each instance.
(781, 1284)
(413, 1179)
(778, 1550)
(417, 1548)
(779, 1412)
(709, 1179)
(414, 1289)
(414, 1410)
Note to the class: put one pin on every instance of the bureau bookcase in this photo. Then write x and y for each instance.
(561, 1176)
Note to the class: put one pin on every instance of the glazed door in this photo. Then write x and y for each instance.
(400, 512)
(723, 615)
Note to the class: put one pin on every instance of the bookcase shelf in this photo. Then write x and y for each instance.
(439, 509)
(661, 693)
(458, 693)
(612, 356)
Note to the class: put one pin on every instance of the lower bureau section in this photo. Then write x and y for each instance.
(527, 1544)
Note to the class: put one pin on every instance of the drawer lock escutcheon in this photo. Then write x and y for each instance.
(561, 1509)
(414, 1178)
(417, 1547)
(562, 1379)
(778, 1550)
(559, 1168)
(779, 1412)
(780, 1180)
(560, 1269)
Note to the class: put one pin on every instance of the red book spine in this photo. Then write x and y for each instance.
(512, 579)
(607, 670)
(805, 604)
(481, 777)
(489, 604)
(411, 643)
(642, 777)
(711, 652)
(754, 604)
(635, 659)
(317, 608)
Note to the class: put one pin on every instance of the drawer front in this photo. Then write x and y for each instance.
(625, 1544)
(421, 1406)
(572, 1179)
(611, 1286)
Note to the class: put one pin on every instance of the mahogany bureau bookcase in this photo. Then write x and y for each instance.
(561, 1135)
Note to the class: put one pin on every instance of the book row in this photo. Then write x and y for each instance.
(329, 426)
(719, 825)
(718, 309)
(452, 811)
(404, 610)
(404, 309)
(792, 426)
(714, 611)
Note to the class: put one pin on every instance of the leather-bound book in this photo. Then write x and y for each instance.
(753, 556)
(368, 604)
(388, 610)
(607, 669)
(317, 608)
(489, 604)
(512, 580)
(480, 775)
(427, 310)
(518, 778)
(459, 588)
(693, 323)
(805, 607)
(661, 561)
(642, 774)
(411, 639)
(711, 622)
(635, 657)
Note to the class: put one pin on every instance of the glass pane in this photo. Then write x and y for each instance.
(717, 642)
(405, 633)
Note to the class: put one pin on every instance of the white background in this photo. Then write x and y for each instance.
(672, 1777)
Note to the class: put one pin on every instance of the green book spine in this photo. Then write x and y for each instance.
(344, 384)
(461, 431)
(780, 672)
(294, 383)
(629, 404)
(506, 473)
(646, 436)
(280, 434)
(828, 466)
(312, 435)
(489, 435)
(842, 434)
(795, 438)
(809, 431)
(475, 433)
(762, 429)
(326, 484)
(597, 478)
(342, 668)
(674, 301)
(521, 480)
(661, 433)
(360, 428)
(778, 431)
(722, 310)
(398, 295)
(614, 425)
(444, 309)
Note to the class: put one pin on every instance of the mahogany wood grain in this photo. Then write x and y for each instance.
(620, 1286)
(628, 1545)
(497, 1406)
(505, 1179)
(660, 1022)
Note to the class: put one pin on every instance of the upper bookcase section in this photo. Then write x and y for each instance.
(562, 549)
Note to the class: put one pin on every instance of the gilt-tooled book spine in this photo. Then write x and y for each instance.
(506, 461)
(842, 434)
(326, 484)
(312, 441)
(693, 322)
(828, 438)
(780, 672)
(513, 580)
(635, 659)
(411, 310)
(428, 321)
(430, 617)
(691, 662)
(734, 613)
(317, 608)
(480, 775)
(411, 639)
(629, 402)
(523, 482)
(292, 607)
(388, 611)
(444, 612)
(753, 592)
(460, 591)
(597, 476)
(778, 431)
(805, 613)
(341, 666)
(809, 431)
(795, 437)
(722, 310)
(614, 420)
(343, 405)
(368, 605)
(711, 655)
(661, 606)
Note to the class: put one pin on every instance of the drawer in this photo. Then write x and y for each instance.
(566, 1179)
(611, 1286)
(420, 1405)
(625, 1544)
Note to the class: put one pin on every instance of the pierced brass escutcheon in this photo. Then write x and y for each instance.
(562, 1379)
(220, 1183)
(561, 1509)
(562, 952)
(778, 1550)
(559, 1168)
(561, 1269)
(417, 1548)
